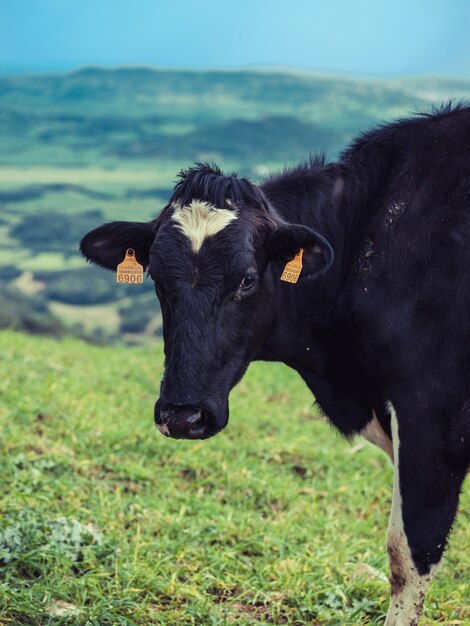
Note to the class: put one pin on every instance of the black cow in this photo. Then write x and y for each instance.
(378, 325)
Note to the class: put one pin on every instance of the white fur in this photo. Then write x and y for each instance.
(374, 433)
(163, 428)
(200, 220)
(406, 603)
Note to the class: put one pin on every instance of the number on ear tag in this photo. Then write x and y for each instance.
(130, 272)
(293, 268)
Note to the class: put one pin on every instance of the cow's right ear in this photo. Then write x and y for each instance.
(285, 242)
(107, 244)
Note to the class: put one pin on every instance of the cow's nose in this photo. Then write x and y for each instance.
(180, 422)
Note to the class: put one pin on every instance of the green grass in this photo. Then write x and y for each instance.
(103, 521)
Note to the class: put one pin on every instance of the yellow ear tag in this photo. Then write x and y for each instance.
(293, 268)
(130, 271)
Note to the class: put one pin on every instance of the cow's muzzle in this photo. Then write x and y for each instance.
(185, 421)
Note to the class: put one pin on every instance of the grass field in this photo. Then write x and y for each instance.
(105, 522)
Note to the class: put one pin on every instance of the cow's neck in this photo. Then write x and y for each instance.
(332, 200)
(311, 332)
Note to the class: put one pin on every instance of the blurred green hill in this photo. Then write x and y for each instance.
(99, 144)
(142, 112)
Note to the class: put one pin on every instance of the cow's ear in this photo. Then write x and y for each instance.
(285, 242)
(107, 244)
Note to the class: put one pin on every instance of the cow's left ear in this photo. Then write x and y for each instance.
(107, 244)
(284, 243)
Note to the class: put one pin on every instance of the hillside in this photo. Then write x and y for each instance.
(98, 144)
(103, 521)
(131, 113)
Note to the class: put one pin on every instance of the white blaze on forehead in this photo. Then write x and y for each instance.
(200, 220)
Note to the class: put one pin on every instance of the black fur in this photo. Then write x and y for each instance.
(107, 245)
(386, 232)
(208, 184)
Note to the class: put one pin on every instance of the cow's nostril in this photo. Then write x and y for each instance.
(195, 418)
(190, 421)
(189, 426)
(179, 421)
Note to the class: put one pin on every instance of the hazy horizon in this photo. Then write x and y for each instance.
(266, 68)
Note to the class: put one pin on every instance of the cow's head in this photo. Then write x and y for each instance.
(215, 254)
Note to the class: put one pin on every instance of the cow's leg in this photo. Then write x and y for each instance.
(425, 498)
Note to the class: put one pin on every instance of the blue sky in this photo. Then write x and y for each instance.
(365, 37)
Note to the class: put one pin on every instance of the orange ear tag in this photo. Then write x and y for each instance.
(130, 272)
(292, 269)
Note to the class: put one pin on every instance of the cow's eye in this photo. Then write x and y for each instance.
(248, 281)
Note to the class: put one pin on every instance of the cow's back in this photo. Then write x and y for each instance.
(410, 278)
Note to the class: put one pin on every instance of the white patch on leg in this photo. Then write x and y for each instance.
(408, 587)
(374, 433)
(200, 220)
